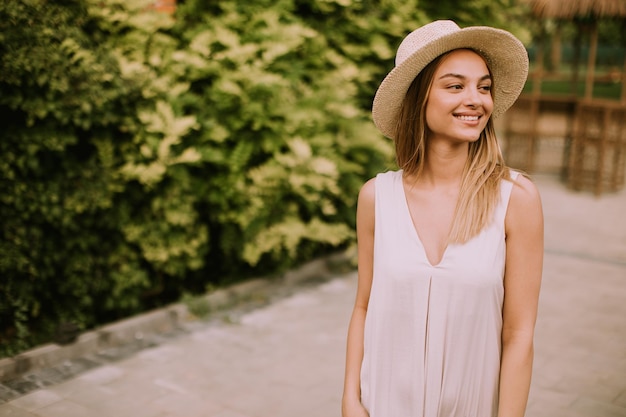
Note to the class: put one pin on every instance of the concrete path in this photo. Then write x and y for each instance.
(286, 359)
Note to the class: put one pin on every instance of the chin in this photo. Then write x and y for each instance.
(469, 138)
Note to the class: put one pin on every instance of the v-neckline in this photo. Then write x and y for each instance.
(414, 228)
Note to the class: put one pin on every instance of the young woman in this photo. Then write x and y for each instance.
(450, 246)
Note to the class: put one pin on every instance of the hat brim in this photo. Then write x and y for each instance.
(505, 55)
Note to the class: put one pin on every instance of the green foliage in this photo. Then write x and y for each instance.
(366, 32)
(147, 157)
(81, 240)
(284, 128)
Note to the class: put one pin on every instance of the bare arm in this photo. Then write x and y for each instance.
(351, 404)
(522, 280)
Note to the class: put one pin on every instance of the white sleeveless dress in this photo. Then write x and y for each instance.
(432, 342)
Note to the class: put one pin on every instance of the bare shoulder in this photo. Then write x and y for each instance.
(366, 206)
(368, 192)
(524, 192)
(524, 204)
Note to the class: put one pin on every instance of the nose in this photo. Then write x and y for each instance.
(472, 97)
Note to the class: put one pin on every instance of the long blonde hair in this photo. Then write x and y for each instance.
(484, 169)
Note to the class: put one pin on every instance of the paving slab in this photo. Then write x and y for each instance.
(286, 359)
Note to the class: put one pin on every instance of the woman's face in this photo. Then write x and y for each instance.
(459, 103)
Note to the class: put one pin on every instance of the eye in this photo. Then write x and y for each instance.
(455, 87)
(486, 88)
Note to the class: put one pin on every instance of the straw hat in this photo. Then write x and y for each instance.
(505, 55)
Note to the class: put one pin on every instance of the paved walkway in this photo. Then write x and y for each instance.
(286, 359)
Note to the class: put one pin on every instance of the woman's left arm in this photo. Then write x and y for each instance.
(522, 280)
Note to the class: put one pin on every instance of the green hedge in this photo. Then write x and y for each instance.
(146, 156)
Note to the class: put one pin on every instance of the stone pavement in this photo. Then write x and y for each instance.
(286, 359)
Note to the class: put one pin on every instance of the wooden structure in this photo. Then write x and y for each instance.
(587, 15)
(598, 149)
(591, 132)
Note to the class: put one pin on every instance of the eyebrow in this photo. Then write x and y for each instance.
(463, 77)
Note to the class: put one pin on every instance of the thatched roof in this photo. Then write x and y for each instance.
(568, 9)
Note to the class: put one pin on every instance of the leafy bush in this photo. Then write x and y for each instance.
(88, 237)
(65, 111)
(280, 131)
(147, 156)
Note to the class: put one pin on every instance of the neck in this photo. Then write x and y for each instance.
(444, 164)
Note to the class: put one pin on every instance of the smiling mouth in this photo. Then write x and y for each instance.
(467, 118)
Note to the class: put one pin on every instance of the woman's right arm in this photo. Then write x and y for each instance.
(351, 403)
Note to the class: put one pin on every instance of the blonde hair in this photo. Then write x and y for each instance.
(484, 169)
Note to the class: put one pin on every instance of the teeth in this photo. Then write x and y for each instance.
(468, 118)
